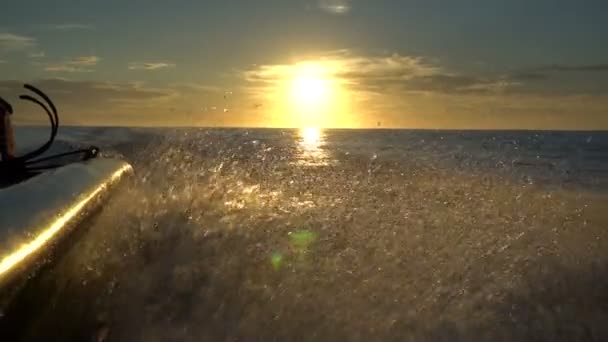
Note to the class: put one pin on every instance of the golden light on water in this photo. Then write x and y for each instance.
(310, 137)
(311, 151)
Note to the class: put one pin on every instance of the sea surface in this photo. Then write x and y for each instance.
(270, 234)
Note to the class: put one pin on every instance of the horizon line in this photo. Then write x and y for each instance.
(605, 130)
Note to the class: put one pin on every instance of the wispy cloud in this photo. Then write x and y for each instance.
(39, 54)
(118, 103)
(78, 64)
(86, 94)
(86, 60)
(393, 67)
(403, 73)
(416, 91)
(12, 42)
(459, 84)
(194, 87)
(582, 68)
(346, 65)
(68, 27)
(545, 72)
(150, 66)
(528, 76)
(380, 74)
(65, 68)
(335, 6)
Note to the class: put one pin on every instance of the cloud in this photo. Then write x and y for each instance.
(459, 84)
(89, 90)
(138, 103)
(335, 6)
(543, 72)
(14, 42)
(150, 66)
(400, 73)
(344, 65)
(68, 27)
(560, 79)
(415, 91)
(77, 64)
(113, 103)
(85, 61)
(194, 87)
(580, 68)
(86, 102)
(388, 68)
(39, 54)
(65, 68)
(528, 76)
(380, 74)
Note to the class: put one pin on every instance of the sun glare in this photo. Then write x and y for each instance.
(311, 150)
(312, 94)
(310, 88)
(310, 136)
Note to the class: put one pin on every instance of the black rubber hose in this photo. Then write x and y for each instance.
(48, 144)
(25, 164)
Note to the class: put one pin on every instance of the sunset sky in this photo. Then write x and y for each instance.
(332, 63)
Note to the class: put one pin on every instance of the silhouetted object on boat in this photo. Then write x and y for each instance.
(7, 139)
(16, 168)
(40, 208)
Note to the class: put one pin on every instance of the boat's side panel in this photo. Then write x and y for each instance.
(33, 214)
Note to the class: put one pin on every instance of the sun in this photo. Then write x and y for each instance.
(311, 93)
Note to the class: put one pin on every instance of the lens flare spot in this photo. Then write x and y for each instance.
(302, 239)
(276, 260)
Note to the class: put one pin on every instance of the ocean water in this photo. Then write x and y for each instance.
(267, 234)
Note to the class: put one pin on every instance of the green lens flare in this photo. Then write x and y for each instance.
(276, 260)
(302, 239)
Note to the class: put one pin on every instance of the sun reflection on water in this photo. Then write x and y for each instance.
(311, 151)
